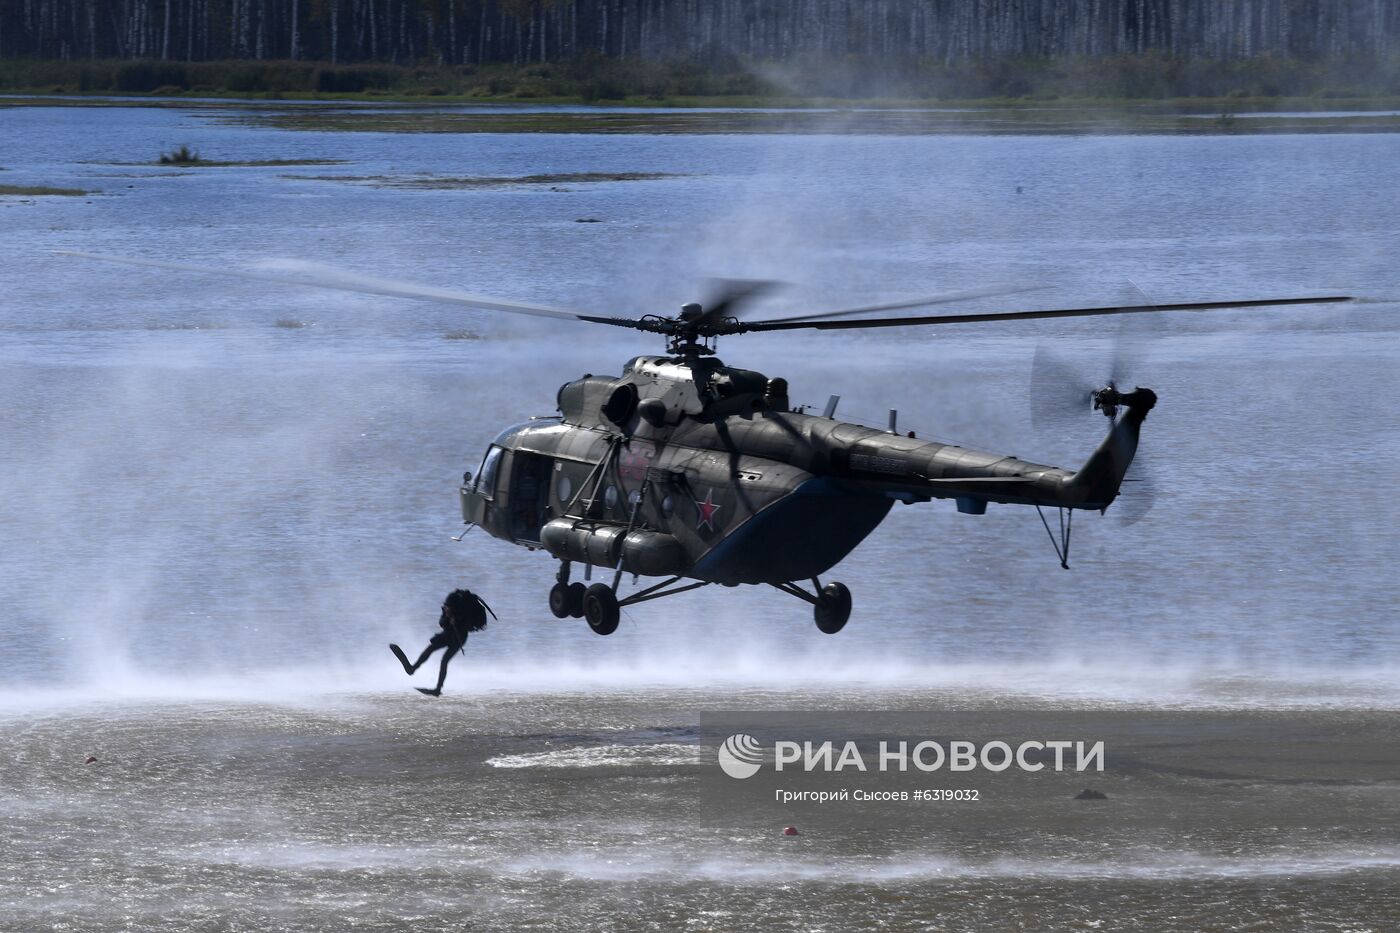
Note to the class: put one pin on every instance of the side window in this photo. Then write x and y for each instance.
(486, 476)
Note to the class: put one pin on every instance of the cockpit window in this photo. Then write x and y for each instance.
(486, 476)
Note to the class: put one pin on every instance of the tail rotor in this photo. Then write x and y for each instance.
(1063, 391)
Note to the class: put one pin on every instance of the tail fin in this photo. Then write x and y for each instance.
(1096, 484)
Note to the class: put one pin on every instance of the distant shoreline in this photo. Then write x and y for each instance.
(1150, 82)
(1053, 97)
(770, 116)
(1183, 106)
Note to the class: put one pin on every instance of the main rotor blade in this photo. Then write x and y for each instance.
(730, 295)
(299, 272)
(1028, 315)
(944, 298)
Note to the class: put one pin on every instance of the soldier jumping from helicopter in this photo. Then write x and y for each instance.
(462, 612)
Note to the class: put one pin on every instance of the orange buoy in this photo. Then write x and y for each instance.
(791, 831)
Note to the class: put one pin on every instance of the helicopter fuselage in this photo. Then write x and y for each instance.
(690, 468)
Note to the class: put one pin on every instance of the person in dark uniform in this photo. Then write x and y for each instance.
(462, 612)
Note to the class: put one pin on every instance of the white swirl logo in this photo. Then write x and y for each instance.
(740, 756)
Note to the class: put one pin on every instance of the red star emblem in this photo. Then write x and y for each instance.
(707, 510)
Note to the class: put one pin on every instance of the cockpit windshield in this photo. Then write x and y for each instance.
(486, 476)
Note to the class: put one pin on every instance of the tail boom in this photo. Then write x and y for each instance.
(920, 472)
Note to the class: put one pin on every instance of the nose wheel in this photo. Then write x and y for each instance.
(597, 603)
(566, 599)
(600, 608)
(600, 605)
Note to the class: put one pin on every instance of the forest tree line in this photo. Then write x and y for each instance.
(480, 32)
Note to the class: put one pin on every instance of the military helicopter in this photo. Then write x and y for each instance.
(685, 469)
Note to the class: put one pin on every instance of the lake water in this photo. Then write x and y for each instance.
(220, 499)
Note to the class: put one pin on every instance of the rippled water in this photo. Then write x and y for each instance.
(218, 492)
(572, 811)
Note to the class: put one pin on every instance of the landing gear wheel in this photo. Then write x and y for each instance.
(576, 591)
(600, 609)
(833, 608)
(559, 602)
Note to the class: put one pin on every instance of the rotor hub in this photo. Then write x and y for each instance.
(1108, 400)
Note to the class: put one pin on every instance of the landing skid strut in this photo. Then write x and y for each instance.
(1060, 544)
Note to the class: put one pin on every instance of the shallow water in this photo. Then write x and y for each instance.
(571, 812)
(216, 493)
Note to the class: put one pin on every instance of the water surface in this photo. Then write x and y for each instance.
(221, 499)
